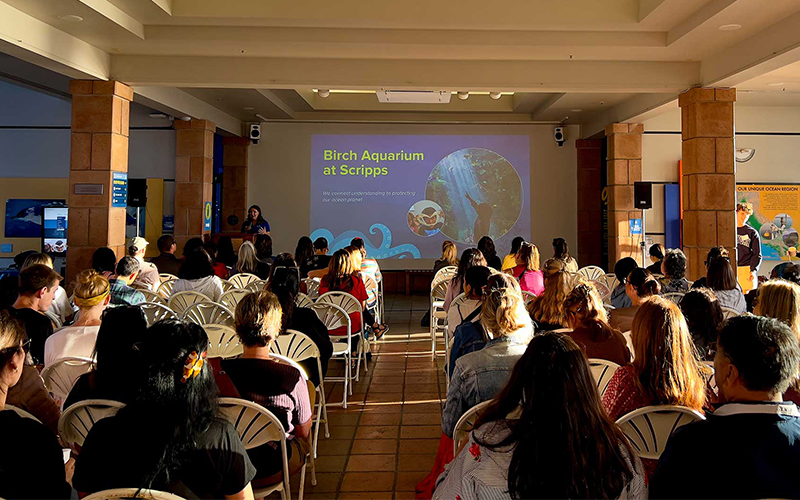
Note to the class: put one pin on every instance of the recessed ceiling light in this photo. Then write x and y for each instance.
(495, 95)
(71, 18)
(730, 27)
(248, 108)
(775, 84)
(463, 95)
(575, 110)
(323, 92)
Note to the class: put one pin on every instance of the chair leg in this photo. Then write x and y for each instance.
(433, 336)
(283, 493)
(313, 470)
(358, 356)
(320, 406)
(325, 415)
(346, 380)
(302, 481)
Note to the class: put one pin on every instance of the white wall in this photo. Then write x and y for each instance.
(279, 177)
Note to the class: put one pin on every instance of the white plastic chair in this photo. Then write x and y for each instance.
(156, 311)
(231, 298)
(181, 301)
(351, 305)
(151, 296)
(443, 274)
(77, 420)
(303, 300)
(222, 341)
(528, 296)
(256, 286)
(602, 371)
(649, 428)
(448, 332)
(333, 317)
(674, 297)
(610, 280)
(591, 273)
(257, 426)
(710, 375)
(22, 413)
(60, 376)
(312, 287)
(165, 288)
(438, 314)
(241, 280)
(142, 287)
(728, 313)
(205, 313)
(167, 277)
(227, 285)
(133, 493)
(466, 423)
(602, 290)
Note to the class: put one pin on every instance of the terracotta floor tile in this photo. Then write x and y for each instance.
(407, 480)
(384, 397)
(365, 495)
(326, 447)
(385, 388)
(374, 446)
(422, 396)
(341, 418)
(421, 419)
(422, 407)
(368, 481)
(377, 432)
(372, 463)
(419, 463)
(380, 419)
(418, 446)
(330, 463)
(404, 495)
(342, 432)
(327, 482)
(421, 432)
(382, 407)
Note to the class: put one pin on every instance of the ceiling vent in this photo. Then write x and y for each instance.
(414, 96)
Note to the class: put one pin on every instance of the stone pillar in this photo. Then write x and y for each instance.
(590, 188)
(194, 177)
(709, 180)
(234, 181)
(99, 147)
(624, 167)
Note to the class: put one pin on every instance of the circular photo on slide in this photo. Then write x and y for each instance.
(480, 193)
(783, 221)
(791, 238)
(425, 218)
(769, 232)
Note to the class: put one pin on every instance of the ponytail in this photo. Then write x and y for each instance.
(644, 283)
(503, 310)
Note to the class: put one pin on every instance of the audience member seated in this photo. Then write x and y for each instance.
(317, 265)
(656, 257)
(561, 252)
(779, 299)
(486, 246)
(479, 376)
(197, 275)
(449, 257)
(640, 285)
(60, 311)
(121, 329)
(220, 269)
(463, 320)
(104, 261)
(225, 253)
(673, 267)
(783, 269)
(249, 263)
(590, 329)
(263, 245)
(703, 315)
(91, 295)
(665, 369)
(121, 292)
(32, 463)
(303, 251)
(369, 266)
(527, 269)
(37, 286)
(276, 386)
(559, 444)
(166, 262)
(182, 443)
(714, 252)
(372, 288)
(619, 295)
(510, 260)
(455, 287)
(285, 284)
(721, 278)
(191, 245)
(148, 272)
(750, 446)
(547, 309)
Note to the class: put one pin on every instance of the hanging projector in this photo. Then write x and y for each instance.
(414, 96)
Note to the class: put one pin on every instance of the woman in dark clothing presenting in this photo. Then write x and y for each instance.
(255, 223)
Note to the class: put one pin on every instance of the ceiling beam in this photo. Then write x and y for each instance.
(546, 104)
(702, 16)
(648, 7)
(27, 38)
(633, 108)
(371, 74)
(178, 103)
(116, 16)
(287, 110)
(165, 5)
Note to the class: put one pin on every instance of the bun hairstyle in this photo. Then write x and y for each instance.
(503, 310)
(643, 282)
(549, 306)
(584, 307)
(561, 249)
(529, 255)
(657, 251)
(258, 319)
(92, 288)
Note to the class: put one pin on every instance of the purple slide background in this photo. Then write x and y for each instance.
(403, 176)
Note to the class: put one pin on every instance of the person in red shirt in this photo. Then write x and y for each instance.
(527, 269)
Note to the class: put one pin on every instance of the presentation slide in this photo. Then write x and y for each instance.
(776, 207)
(406, 194)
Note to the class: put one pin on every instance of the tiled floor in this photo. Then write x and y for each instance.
(386, 439)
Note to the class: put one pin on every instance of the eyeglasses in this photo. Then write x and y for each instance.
(25, 346)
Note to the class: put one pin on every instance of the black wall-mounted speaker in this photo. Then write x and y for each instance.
(137, 192)
(643, 195)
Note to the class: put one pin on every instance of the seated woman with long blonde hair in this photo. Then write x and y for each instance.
(547, 309)
(590, 329)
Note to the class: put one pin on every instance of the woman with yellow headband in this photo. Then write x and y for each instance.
(91, 296)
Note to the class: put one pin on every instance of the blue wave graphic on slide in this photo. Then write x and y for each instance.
(383, 251)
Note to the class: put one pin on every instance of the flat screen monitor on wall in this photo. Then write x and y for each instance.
(54, 241)
(406, 194)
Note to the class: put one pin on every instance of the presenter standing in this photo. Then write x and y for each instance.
(255, 223)
(748, 248)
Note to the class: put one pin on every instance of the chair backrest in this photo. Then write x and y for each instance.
(602, 371)
(141, 286)
(289, 361)
(591, 273)
(371, 286)
(674, 297)
(439, 290)
(728, 313)
(227, 285)
(528, 296)
(241, 280)
(444, 273)
(60, 376)
(332, 316)
(167, 277)
(312, 287)
(133, 493)
(295, 345)
(231, 298)
(347, 302)
(165, 288)
(610, 280)
(711, 379)
(303, 300)
(602, 288)
(77, 420)
(466, 423)
(457, 301)
(255, 424)
(649, 428)
(156, 311)
(205, 313)
(180, 302)
(151, 296)
(256, 286)
(222, 341)
(22, 413)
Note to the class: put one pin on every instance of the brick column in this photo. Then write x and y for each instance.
(623, 169)
(234, 180)
(709, 181)
(99, 146)
(194, 177)
(590, 234)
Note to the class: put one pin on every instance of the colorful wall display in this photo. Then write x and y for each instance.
(776, 213)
